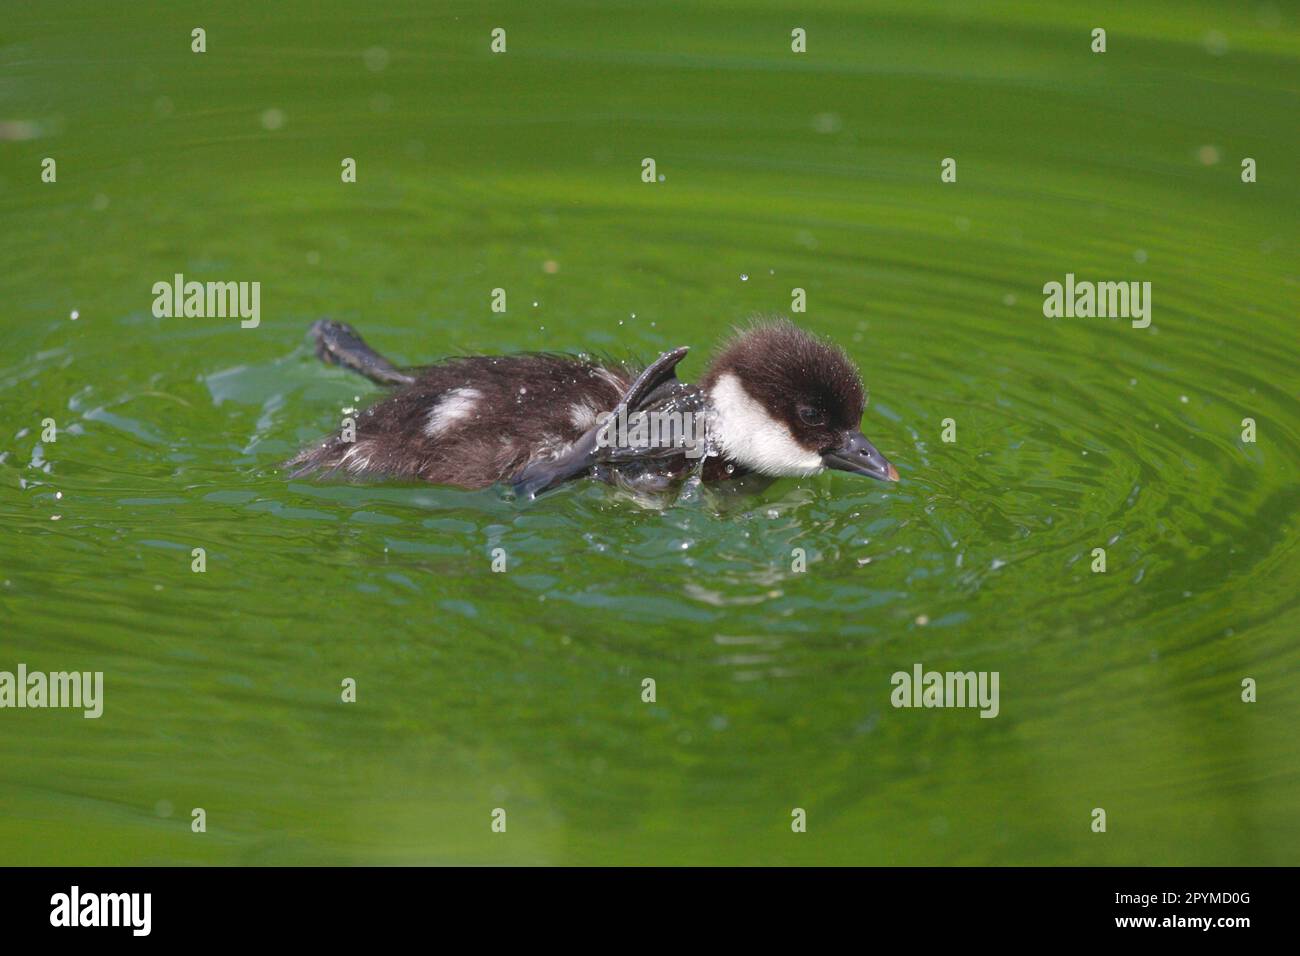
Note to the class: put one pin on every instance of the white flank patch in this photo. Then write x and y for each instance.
(747, 433)
(549, 448)
(357, 458)
(583, 417)
(454, 406)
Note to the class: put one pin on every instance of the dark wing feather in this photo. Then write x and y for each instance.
(658, 379)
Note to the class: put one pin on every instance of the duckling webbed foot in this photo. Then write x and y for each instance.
(337, 343)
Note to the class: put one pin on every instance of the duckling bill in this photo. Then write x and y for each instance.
(774, 402)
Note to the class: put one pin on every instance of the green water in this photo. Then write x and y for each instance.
(522, 690)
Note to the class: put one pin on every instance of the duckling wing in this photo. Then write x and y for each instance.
(652, 386)
(670, 424)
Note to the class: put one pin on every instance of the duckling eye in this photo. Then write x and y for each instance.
(811, 416)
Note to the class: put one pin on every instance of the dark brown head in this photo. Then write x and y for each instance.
(787, 403)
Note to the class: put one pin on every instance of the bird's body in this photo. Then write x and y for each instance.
(474, 421)
(536, 420)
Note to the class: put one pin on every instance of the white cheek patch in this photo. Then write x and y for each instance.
(454, 406)
(748, 434)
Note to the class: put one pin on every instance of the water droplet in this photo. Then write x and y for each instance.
(376, 59)
(827, 123)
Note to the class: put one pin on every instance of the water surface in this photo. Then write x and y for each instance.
(522, 690)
